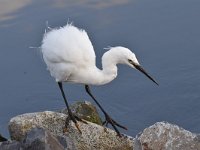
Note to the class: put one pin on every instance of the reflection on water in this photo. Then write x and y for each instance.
(95, 4)
(8, 8)
(163, 34)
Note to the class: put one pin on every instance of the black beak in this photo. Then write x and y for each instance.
(138, 67)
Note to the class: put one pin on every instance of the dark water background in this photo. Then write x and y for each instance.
(165, 35)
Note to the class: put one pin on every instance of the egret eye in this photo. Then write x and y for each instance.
(130, 61)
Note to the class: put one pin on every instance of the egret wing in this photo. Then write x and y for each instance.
(68, 44)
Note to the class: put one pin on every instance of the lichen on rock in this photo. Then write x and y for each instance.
(85, 110)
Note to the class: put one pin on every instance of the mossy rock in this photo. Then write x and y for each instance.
(85, 110)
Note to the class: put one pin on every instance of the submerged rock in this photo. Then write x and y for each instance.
(93, 136)
(166, 136)
(85, 110)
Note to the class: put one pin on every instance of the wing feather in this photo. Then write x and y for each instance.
(68, 44)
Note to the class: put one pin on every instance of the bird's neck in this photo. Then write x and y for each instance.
(109, 69)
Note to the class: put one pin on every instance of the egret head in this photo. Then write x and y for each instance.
(128, 57)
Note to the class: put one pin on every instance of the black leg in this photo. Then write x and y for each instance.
(107, 117)
(71, 116)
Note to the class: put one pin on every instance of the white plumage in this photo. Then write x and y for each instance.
(70, 56)
(65, 49)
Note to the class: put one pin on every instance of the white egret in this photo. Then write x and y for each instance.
(70, 57)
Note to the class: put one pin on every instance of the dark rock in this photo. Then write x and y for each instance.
(66, 142)
(62, 141)
(10, 145)
(40, 139)
(166, 136)
(85, 110)
(2, 138)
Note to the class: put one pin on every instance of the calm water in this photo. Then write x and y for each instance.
(165, 35)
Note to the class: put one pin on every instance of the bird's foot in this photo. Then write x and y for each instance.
(75, 119)
(109, 120)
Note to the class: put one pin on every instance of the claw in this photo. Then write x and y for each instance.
(77, 126)
(74, 118)
(104, 123)
(81, 120)
(109, 120)
(117, 124)
(119, 134)
(65, 130)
